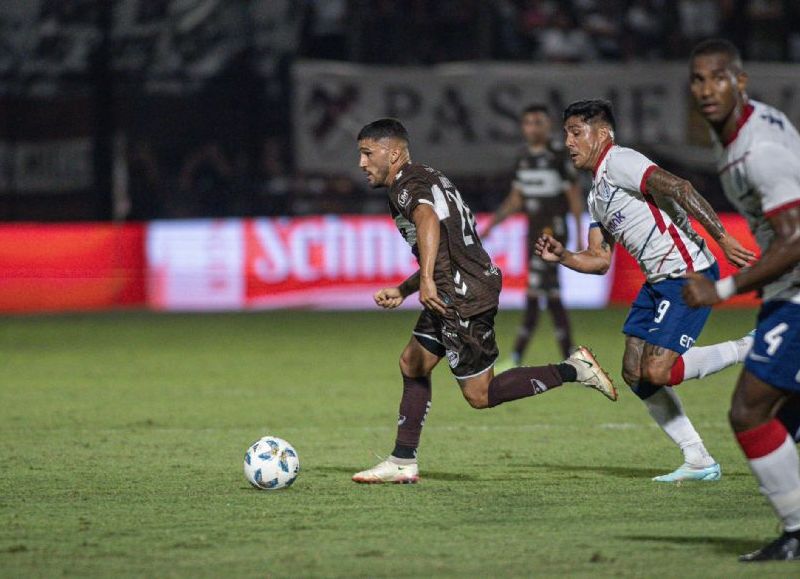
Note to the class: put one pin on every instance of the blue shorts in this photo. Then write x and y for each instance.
(659, 315)
(775, 356)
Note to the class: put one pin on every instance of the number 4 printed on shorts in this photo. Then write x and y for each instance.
(774, 339)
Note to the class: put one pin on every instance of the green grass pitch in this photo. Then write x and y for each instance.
(123, 437)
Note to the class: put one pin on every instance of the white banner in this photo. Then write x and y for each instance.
(462, 118)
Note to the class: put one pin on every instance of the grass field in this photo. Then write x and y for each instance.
(123, 437)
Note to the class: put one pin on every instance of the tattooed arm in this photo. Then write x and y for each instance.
(594, 259)
(662, 184)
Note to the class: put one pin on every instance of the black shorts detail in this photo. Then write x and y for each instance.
(468, 344)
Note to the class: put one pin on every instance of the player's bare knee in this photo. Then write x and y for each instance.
(631, 376)
(655, 372)
(744, 418)
(478, 398)
(411, 365)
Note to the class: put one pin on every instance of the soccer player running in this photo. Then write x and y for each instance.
(640, 205)
(459, 287)
(546, 188)
(758, 159)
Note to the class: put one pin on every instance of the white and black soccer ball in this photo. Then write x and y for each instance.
(271, 463)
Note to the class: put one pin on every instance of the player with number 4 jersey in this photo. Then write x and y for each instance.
(459, 287)
(641, 206)
(758, 159)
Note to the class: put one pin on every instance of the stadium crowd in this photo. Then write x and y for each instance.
(224, 147)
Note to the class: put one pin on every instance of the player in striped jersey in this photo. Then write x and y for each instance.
(758, 158)
(644, 208)
(545, 187)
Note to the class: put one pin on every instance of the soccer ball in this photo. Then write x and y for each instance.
(271, 463)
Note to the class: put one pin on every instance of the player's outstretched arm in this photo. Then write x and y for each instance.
(594, 259)
(663, 184)
(782, 254)
(511, 204)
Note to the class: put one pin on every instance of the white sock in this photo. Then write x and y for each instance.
(666, 409)
(778, 475)
(700, 361)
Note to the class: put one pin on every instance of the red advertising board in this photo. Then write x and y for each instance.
(71, 267)
(628, 278)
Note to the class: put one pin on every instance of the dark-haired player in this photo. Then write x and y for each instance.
(644, 208)
(758, 158)
(459, 287)
(545, 187)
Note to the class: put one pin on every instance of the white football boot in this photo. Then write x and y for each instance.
(590, 373)
(389, 472)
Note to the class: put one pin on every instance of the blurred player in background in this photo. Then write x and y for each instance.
(643, 207)
(459, 287)
(546, 188)
(758, 158)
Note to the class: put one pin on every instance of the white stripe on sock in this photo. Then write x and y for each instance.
(778, 475)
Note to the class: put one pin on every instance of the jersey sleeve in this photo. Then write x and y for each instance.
(629, 169)
(773, 171)
(414, 192)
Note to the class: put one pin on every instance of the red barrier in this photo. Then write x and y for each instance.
(628, 278)
(83, 266)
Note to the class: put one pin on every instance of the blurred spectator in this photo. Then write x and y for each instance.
(326, 29)
(205, 180)
(604, 27)
(644, 37)
(767, 38)
(698, 19)
(562, 40)
(145, 182)
(273, 181)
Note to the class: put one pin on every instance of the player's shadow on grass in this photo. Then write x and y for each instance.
(618, 471)
(722, 545)
(426, 475)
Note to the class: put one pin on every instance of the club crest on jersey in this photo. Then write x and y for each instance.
(603, 190)
(404, 198)
(452, 358)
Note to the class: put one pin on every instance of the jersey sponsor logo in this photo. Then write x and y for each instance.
(452, 358)
(615, 221)
(404, 198)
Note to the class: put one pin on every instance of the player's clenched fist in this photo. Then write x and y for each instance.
(549, 248)
(700, 291)
(388, 298)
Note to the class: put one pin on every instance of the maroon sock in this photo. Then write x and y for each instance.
(527, 328)
(523, 382)
(561, 324)
(414, 408)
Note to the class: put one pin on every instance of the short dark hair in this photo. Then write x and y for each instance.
(592, 110)
(535, 108)
(718, 46)
(382, 129)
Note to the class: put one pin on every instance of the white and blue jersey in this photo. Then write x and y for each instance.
(657, 234)
(661, 239)
(759, 167)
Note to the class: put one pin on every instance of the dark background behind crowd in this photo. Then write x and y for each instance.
(182, 109)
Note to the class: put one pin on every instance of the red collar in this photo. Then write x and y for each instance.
(748, 111)
(601, 157)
